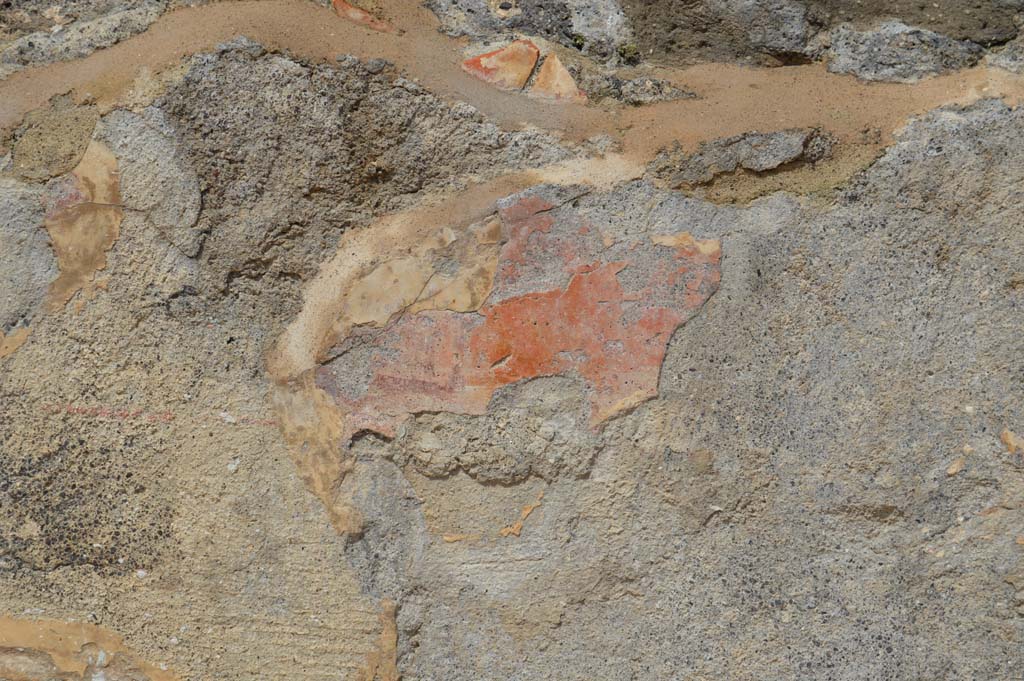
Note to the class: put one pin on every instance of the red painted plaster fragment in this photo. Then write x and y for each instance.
(605, 313)
(507, 68)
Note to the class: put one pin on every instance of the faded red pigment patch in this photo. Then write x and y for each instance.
(567, 300)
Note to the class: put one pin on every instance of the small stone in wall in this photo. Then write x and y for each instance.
(896, 52)
(637, 91)
(753, 151)
(1010, 58)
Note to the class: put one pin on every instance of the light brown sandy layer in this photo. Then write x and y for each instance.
(69, 644)
(732, 99)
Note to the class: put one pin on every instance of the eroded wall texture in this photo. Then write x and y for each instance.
(625, 339)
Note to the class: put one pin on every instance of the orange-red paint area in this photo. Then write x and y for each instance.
(565, 302)
(508, 68)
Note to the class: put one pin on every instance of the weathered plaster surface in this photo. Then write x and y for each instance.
(333, 347)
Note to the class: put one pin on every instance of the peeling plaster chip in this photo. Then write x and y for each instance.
(84, 222)
(566, 300)
(507, 68)
(1014, 443)
(555, 82)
